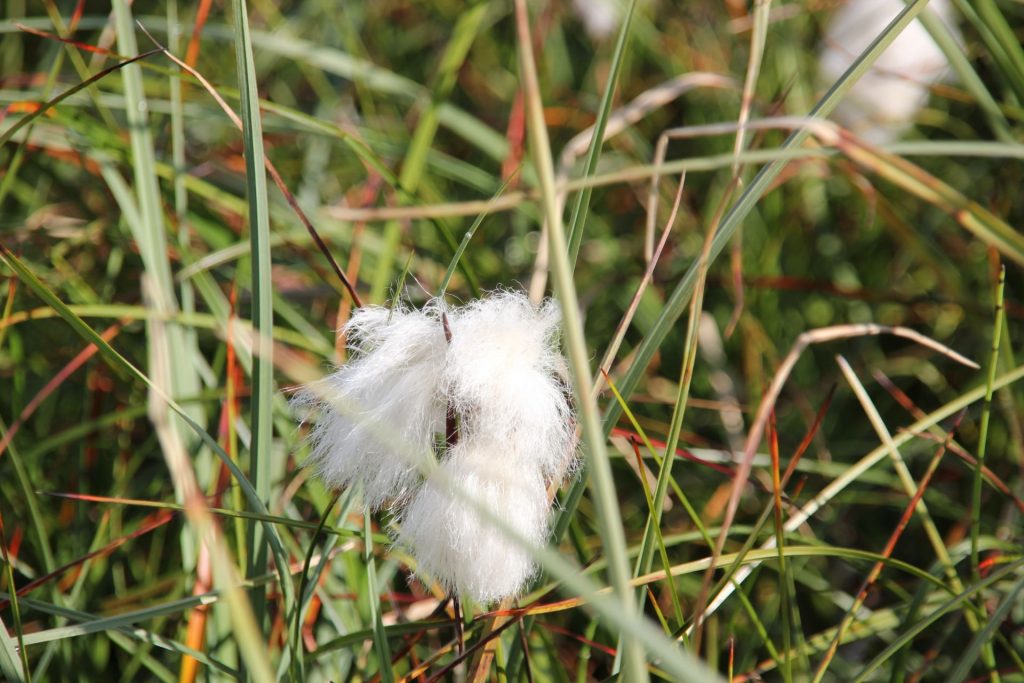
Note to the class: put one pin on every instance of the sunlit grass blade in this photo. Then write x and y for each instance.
(610, 522)
(11, 664)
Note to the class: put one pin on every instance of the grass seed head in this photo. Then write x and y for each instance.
(460, 548)
(379, 412)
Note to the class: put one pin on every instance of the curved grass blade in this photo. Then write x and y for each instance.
(678, 300)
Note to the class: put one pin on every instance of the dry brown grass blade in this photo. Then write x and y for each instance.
(819, 336)
(619, 120)
(627, 318)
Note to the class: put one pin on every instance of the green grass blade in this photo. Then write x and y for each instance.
(380, 638)
(262, 305)
(986, 414)
(578, 217)
(968, 76)
(15, 667)
(125, 368)
(11, 664)
(454, 263)
(956, 602)
(653, 514)
(415, 161)
(983, 638)
(998, 36)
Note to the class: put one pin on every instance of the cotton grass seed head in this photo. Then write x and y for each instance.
(461, 549)
(506, 378)
(503, 378)
(380, 412)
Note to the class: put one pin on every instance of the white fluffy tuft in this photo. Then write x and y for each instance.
(600, 18)
(464, 551)
(380, 411)
(505, 377)
(882, 105)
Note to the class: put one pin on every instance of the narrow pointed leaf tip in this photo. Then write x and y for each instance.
(382, 421)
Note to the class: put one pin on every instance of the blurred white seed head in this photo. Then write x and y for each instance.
(600, 18)
(882, 105)
(380, 412)
(462, 550)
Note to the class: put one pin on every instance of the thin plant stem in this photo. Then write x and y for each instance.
(986, 414)
(987, 654)
(609, 518)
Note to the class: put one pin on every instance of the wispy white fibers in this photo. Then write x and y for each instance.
(503, 376)
(882, 105)
(458, 547)
(380, 412)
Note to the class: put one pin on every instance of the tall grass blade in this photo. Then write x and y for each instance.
(610, 522)
(968, 76)
(126, 369)
(262, 301)
(380, 639)
(578, 217)
(986, 414)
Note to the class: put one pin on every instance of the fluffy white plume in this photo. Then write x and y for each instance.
(882, 105)
(600, 18)
(380, 412)
(464, 551)
(504, 377)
